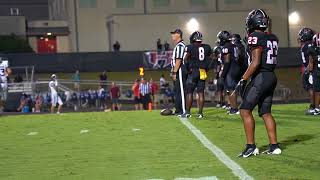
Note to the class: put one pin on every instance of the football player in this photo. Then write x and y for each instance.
(55, 98)
(314, 68)
(263, 51)
(242, 57)
(198, 56)
(305, 39)
(5, 71)
(217, 51)
(231, 69)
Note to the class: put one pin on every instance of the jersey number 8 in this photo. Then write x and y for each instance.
(201, 53)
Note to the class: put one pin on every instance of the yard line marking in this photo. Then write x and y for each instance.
(135, 129)
(236, 169)
(84, 131)
(32, 133)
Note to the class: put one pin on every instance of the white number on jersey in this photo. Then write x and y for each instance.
(2, 71)
(252, 40)
(272, 52)
(318, 61)
(303, 57)
(201, 53)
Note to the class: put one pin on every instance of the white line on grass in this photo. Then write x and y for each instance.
(32, 133)
(201, 178)
(236, 169)
(84, 131)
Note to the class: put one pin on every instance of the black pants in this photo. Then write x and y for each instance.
(145, 100)
(179, 94)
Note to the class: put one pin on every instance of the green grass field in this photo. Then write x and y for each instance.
(145, 145)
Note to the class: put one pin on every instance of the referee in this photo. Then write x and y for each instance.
(177, 72)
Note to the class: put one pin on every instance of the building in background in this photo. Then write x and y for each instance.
(30, 19)
(95, 25)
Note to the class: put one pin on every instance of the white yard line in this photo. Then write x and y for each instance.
(84, 131)
(32, 133)
(236, 168)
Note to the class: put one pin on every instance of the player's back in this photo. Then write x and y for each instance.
(269, 44)
(200, 55)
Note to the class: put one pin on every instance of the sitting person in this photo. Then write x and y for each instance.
(24, 102)
(38, 104)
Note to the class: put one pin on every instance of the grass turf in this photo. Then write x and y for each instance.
(142, 145)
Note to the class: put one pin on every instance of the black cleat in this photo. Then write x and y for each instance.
(273, 149)
(199, 116)
(185, 115)
(251, 149)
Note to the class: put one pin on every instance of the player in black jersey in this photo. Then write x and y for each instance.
(217, 51)
(198, 56)
(231, 68)
(314, 68)
(242, 57)
(305, 38)
(263, 51)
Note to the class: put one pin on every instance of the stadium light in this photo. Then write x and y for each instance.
(294, 18)
(193, 25)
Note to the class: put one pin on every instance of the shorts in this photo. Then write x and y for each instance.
(55, 99)
(115, 100)
(230, 83)
(260, 92)
(306, 82)
(220, 84)
(194, 82)
(137, 100)
(316, 82)
(145, 99)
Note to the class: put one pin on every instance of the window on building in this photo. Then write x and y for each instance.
(161, 3)
(88, 3)
(198, 2)
(232, 1)
(125, 3)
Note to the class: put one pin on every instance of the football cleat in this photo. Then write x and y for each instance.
(273, 149)
(251, 149)
(233, 111)
(316, 112)
(199, 116)
(185, 115)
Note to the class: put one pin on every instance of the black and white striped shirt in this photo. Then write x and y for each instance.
(178, 53)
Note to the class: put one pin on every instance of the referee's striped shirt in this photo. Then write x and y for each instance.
(178, 53)
(144, 89)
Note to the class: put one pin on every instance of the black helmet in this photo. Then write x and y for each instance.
(223, 37)
(236, 39)
(196, 37)
(217, 50)
(316, 39)
(305, 34)
(257, 20)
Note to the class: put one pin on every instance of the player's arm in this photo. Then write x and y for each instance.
(226, 65)
(256, 60)
(310, 64)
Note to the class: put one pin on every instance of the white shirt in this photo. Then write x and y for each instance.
(3, 66)
(53, 86)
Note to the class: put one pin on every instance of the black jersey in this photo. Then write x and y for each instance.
(305, 53)
(234, 68)
(199, 56)
(315, 53)
(269, 44)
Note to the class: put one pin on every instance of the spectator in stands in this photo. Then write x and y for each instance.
(76, 80)
(159, 45)
(136, 94)
(38, 104)
(154, 93)
(103, 80)
(18, 79)
(116, 46)
(145, 90)
(115, 95)
(166, 46)
(24, 103)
